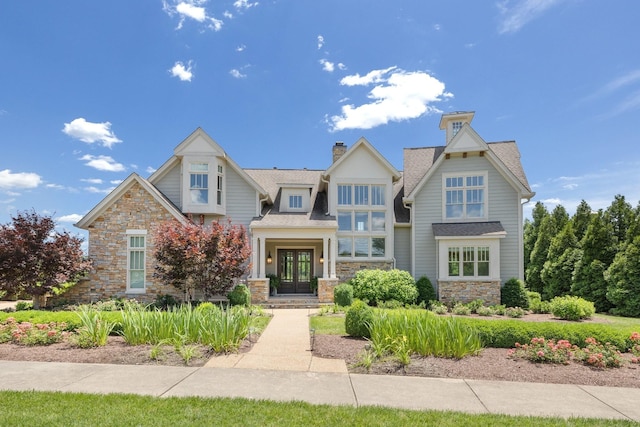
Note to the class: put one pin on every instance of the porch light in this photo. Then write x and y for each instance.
(322, 258)
(269, 259)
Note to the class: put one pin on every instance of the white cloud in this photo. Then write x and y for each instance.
(320, 41)
(181, 71)
(192, 9)
(244, 4)
(327, 65)
(237, 74)
(20, 180)
(97, 190)
(227, 14)
(342, 66)
(515, 14)
(241, 48)
(55, 186)
(92, 180)
(571, 186)
(150, 169)
(115, 181)
(7, 201)
(437, 27)
(72, 218)
(103, 163)
(91, 132)
(397, 95)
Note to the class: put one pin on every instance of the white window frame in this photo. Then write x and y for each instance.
(220, 186)
(199, 173)
(444, 246)
(366, 202)
(130, 250)
(295, 201)
(465, 189)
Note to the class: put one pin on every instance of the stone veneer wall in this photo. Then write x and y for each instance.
(325, 289)
(346, 270)
(465, 292)
(136, 210)
(259, 289)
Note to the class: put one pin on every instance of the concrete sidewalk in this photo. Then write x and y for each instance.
(280, 367)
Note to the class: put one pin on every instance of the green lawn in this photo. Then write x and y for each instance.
(70, 409)
(328, 325)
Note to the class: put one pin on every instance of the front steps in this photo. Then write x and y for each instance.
(292, 301)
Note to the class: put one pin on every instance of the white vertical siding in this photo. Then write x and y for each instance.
(169, 185)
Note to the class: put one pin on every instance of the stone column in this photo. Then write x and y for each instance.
(259, 288)
(325, 290)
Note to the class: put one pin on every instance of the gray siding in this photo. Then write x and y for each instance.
(240, 199)
(503, 205)
(169, 185)
(402, 248)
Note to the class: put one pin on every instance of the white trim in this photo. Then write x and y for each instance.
(464, 188)
(443, 258)
(138, 232)
(142, 290)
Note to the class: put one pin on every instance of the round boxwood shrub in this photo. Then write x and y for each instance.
(514, 294)
(572, 308)
(240, 295)
(357, 319)
(343, 294)
(426, 293)
(375, 286)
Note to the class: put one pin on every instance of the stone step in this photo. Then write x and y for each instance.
(286, 301)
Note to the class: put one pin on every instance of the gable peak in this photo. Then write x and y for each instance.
(453, 122)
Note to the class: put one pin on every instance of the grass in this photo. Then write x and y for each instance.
(328, 325)
(31, 408)
(620, 322)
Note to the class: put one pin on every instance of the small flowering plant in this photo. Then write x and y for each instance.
(599, 355)
(27, 333)
(542, 350)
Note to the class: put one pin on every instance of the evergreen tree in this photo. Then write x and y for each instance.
(550, 226)
(623, 278)
(531, 230)
(581, 219)
(620, 215)
(557, 270)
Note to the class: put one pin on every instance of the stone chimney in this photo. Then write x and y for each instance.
(338, 150)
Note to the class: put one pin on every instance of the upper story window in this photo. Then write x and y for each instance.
(295, 201)
(455, 128)
(465, 196)
(361, 214)
(199, 183)
(219, 185)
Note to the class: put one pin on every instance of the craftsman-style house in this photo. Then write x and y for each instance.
(454, 214)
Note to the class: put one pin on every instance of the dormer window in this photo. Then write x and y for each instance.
(295, 201)
(199, 183)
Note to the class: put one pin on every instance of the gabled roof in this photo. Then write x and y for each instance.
(420, 164)
(216, 150)
(362, 142)
(115, 195)
(467, 139)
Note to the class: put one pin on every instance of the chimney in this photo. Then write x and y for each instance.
(338, 150)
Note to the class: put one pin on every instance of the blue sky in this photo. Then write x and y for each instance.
(93, 91)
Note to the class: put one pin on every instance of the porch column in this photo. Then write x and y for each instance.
(325, 250)
(262, 257)
(254, 257)
(333, 253)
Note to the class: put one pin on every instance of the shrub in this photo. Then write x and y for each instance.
(514, 294)
(499, 309)
(485, 311)
(391, 304)
(426, 292)
(544, 351)
(343, 294)
(599, 355)
(24, 305)
(240, 295)
(375, 286)
(357, 319)
(439, 308)
(475, 305)
(164, 302)
(514, 312)
(461, 309)
(572, 308)
(27, 333)
(94, 331)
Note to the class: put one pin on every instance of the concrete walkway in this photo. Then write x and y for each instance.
(281, 368)
(285, 345)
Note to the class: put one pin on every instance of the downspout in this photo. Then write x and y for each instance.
(413, 238)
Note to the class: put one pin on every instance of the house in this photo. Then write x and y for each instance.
(454, 214)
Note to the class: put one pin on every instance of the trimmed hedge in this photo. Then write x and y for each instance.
(357, 319)
(240, 295)
(426, 293)
(343, 295)
(506, 333)
(514, 294)
(376, 286)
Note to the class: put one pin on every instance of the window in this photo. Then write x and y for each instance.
(136, 263)
(468, 261)
(465, 196)
(219, 186)
(456, 126)
(361, 220)
(295, 202)
(199, 183)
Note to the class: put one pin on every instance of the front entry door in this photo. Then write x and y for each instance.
(295, 270)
